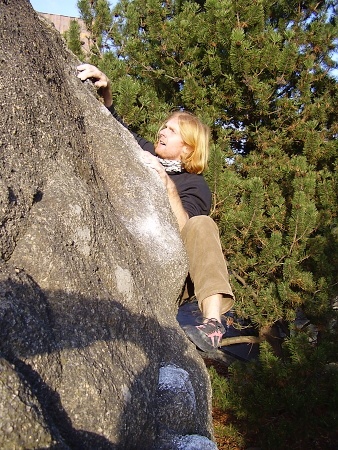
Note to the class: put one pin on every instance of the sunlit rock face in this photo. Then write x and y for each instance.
(91, 355)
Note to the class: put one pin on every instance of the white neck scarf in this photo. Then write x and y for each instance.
(170, 165)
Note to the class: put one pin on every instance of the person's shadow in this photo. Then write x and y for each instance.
(33, 322)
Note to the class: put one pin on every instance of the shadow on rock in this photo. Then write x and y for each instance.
(103, 377)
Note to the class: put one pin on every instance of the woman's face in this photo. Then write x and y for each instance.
(170, 144)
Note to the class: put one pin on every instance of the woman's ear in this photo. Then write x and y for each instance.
(186, 151)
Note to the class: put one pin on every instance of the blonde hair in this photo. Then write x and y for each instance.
(195, 136)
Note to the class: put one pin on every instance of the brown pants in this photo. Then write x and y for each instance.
(207, 266)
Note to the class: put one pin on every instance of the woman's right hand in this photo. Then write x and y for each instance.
(100, 80)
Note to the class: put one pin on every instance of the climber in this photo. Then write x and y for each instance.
(179, 158)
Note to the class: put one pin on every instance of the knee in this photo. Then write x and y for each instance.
(199, 224)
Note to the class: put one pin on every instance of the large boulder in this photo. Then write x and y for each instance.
(91, 355)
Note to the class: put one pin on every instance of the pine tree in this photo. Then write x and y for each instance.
(284, 403)
(259, 74)
(73, 39)
(96, 15)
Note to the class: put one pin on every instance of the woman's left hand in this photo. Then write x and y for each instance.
(153, 162)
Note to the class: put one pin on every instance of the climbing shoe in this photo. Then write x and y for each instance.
(207, 336)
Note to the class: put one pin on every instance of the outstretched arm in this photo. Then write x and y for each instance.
(99, 79)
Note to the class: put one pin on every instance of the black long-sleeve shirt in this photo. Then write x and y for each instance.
(192, 188)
